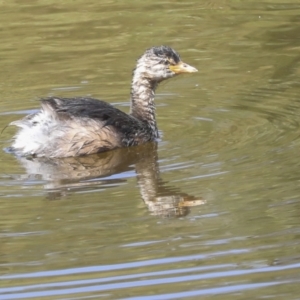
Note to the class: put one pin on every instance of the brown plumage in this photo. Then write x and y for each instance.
(80, 126)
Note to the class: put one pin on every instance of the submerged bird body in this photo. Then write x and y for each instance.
(80, 126)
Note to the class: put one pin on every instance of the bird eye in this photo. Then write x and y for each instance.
(163, 62)
(171, 61)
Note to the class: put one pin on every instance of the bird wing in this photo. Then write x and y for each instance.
(72, 127)
(90, 125)
(89, 109)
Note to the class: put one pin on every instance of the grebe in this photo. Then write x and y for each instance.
(80, 126)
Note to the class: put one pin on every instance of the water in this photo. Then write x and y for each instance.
(213, 212)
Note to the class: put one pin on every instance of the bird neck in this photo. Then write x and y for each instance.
(142, 101)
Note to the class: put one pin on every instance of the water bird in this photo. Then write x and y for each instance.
(69, 127)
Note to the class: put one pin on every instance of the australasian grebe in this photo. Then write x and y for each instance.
(80, 126)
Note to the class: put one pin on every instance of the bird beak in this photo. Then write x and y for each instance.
(182, 67)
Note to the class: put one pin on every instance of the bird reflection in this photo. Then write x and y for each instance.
(101, 172)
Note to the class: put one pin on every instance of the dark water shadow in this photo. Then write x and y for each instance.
(109, 169)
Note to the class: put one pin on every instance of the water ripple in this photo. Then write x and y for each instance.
(89, 284)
